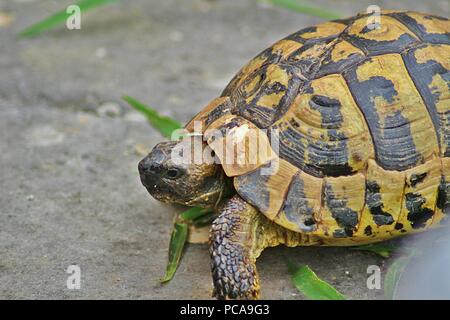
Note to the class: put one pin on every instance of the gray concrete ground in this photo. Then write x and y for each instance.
(69, 188)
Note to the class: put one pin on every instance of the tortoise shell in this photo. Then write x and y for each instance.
(362, 118)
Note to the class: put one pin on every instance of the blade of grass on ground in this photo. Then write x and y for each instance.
(177, 242)
(308, 283)
(300, 7)
(179, 238)
(205, 220)
(383, 249)
(60, 18)
(394, 274)
(194, 213)
(163, 124)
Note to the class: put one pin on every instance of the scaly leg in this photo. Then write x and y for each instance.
(238, 236)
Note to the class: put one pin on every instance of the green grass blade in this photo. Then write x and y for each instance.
(394, 274)
(383, 249)
(177, 242)
(308, 283)
(163, 124)
(194, 213)
(297, 6)
(60, 18)
(205, 220)
(179, 237)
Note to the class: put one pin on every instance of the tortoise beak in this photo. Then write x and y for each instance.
(150, 171)
(152, 167)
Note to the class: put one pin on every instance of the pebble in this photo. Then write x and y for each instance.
(110, 109)
(101, 53)
(44, 136)
(141, 149)
(134, 116)
(6, 19)
(176, 36)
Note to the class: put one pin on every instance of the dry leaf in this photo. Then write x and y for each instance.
(198, 235)
(141, 149)
(6, 19)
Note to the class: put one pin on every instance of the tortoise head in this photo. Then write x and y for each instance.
(181, 172)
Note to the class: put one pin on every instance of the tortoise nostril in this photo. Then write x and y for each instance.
(153, 162)
(157, 157)
(146, 166)
(153, 168)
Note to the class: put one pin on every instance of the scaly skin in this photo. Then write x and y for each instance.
(238, 236)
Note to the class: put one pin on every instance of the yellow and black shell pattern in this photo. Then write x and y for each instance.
(362, 117)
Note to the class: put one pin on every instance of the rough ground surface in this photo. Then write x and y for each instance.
(69, 188)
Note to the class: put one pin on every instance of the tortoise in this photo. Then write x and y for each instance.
(353, 144)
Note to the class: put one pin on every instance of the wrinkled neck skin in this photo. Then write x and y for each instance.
(216, 198)
(228, 192)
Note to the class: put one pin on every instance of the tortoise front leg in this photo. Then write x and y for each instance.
(238, 236)
(233, 257)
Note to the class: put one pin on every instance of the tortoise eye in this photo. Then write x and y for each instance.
(173, 173)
